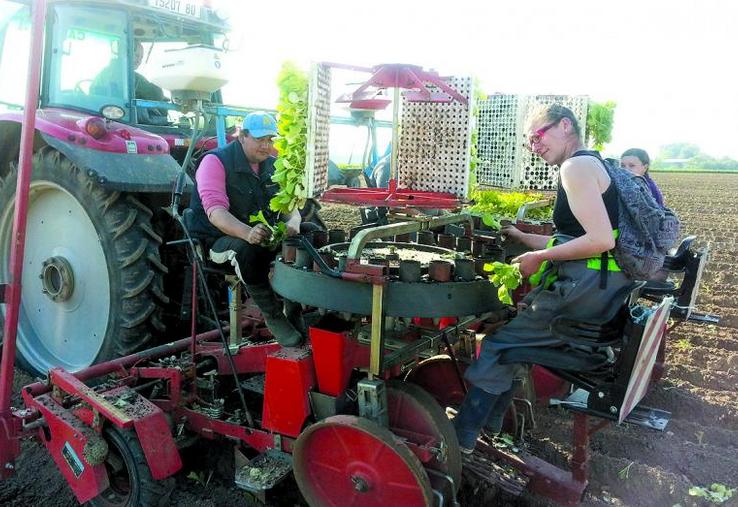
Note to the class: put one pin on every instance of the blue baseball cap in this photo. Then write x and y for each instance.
(260, 124)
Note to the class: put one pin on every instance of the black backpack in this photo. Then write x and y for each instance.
(646, 230)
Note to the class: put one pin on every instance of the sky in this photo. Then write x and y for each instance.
(669, 65)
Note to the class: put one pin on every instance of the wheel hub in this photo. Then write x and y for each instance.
(57, 279)
(360, 484)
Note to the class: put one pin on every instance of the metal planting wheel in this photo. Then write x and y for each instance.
(415, 415)
(348, 460)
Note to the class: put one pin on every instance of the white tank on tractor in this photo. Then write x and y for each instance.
(197, 70)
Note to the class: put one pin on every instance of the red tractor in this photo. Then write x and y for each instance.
(97, 283)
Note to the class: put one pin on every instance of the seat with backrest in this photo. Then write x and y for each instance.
(232, 281)
(597, 356)
(691, 263)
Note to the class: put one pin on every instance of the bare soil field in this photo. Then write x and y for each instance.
(630, 465)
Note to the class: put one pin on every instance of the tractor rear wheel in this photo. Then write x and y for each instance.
(92, 275)
(129, 476)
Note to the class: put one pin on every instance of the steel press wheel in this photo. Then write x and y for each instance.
(414, 414)
(347, 460)
(92, 275)
(129, 476)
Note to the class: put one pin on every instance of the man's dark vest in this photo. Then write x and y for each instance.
(247, 193)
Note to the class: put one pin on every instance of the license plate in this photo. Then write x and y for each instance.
(183, 7)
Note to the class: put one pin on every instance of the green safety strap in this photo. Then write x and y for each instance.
(535, 278)
(596, 262)
(602, 263)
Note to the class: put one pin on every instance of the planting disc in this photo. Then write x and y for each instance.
(417, 417)
(348, 460)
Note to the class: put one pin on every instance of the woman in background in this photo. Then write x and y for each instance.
(637, 161)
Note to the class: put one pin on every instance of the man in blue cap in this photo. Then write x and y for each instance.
(231, 184)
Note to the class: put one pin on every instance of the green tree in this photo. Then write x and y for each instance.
(679, 150)
(600, 118)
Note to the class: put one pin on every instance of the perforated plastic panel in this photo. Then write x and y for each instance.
(504, 160)
(498, 127)
(319, 118)
(435, 141)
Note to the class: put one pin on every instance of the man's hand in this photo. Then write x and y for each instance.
(529, 262)
(257, 234)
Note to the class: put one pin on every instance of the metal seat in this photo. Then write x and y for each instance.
(692, 263)
(233, 283)
(586, 343)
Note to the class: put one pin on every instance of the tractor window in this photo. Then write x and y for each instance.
(15, 43)
(89, 59)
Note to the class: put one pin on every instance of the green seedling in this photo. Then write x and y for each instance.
(200, 478)
(682, 344)
(624, 473)
(278, 231)
(716, 493)
(506, 277)
(505, 204)
(292, 111)
(491, 221)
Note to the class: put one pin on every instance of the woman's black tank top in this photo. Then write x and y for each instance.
(564, 219)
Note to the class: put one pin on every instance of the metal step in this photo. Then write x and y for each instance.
(642, 416)
(254, 384)
(264, 471)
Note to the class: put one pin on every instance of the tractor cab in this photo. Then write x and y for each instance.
(128, 94)
(102, 58)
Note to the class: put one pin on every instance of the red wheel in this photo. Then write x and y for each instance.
(346, 460)
(416, 416)
(545, 385)
(437, 375)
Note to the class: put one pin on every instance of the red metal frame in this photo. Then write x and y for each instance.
(10, 426)
(565, 487)
(392, 197)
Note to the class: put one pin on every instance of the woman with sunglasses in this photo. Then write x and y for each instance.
(637, 162)
(573, 282)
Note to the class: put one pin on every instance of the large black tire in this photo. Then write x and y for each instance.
(131, 484)
(105, 270)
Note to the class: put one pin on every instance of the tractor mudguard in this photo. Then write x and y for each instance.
(123, 172)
